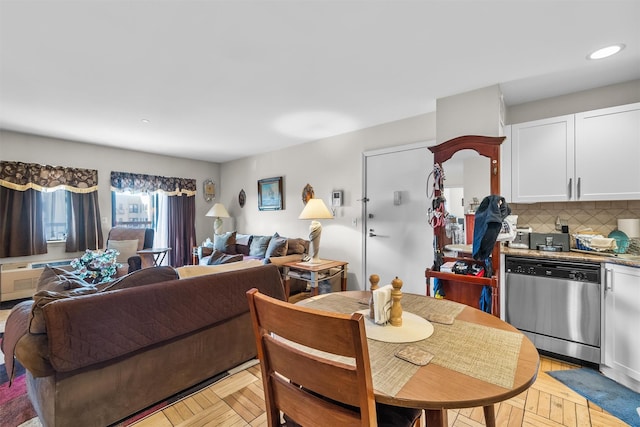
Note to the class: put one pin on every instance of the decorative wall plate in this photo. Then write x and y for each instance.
(307, 193)
(242, 197)
(209, 188)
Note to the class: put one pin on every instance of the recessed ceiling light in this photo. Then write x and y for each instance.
(145, 121)
(606, 51)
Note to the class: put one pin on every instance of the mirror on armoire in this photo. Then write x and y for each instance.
(466, 183)
(466, 170)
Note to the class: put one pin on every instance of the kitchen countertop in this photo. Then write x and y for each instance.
(622, 259)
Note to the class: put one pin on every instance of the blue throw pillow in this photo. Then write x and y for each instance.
(259, 245)
(277, 246)
(225, 242)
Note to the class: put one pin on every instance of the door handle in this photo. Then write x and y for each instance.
(371, 234)
(570, 188)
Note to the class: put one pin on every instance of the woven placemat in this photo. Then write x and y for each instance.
(464, 347)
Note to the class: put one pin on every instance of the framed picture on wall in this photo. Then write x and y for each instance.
(270, 196)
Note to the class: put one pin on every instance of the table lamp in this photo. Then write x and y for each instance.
(315, 209)
(218, 211)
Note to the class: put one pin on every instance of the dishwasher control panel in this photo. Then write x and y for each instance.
(579, 272)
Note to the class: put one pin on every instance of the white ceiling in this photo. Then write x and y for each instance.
(220, 80)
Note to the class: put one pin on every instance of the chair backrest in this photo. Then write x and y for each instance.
(310, 388)
(144, 236)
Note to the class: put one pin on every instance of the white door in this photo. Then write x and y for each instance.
(398, 238)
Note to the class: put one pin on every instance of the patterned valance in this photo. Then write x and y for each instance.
(141, 183)
(23, 176)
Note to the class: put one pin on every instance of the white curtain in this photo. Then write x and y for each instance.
(162, 229)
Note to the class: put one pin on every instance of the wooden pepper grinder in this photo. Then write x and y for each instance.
(396, 306)
(373, 279)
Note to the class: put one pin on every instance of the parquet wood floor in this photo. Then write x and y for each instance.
(238, 400)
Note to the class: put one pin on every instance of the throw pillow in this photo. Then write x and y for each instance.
(296, 246)
(127, 249)
(277, 246)
(243, 242)
(57, 280)
(218, 257)
(146, 276)
(225, 242)
(259, 246)
(54, 284)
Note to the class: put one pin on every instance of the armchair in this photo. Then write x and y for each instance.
(128, 241)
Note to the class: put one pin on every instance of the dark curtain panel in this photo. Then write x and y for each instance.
(83, 222)
(21, 226)
(182, 230)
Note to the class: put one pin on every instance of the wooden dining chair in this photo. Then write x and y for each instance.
(309, 387)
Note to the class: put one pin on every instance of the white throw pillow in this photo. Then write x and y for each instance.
(127, 249)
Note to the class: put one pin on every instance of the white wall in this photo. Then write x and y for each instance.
(594, 99)
(36, 149)
(327, 165)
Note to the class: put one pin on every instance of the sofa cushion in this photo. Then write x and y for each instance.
(277, 246)
(145, 276)
(218, 257)
(225, 242)
(243, 243)
(259, 245)
(127, 249)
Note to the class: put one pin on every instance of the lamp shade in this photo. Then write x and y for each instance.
(218, 210)
(315, 209)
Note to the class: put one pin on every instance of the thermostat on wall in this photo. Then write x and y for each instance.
(336, 198)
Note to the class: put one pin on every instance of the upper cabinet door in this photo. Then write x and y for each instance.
(542, 154)
(608, 153)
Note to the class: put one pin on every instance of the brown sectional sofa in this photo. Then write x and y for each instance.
(108, 355)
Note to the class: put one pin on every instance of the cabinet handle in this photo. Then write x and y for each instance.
(570, 187)
(608, 282)
(578, 189)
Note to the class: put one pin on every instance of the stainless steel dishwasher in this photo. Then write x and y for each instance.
(557, 304)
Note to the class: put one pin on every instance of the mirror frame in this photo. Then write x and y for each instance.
(487, 146)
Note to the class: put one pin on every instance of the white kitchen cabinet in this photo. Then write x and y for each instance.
(542, 160)
(608, 153)
(505, 165)
(620, 343)
(578, 157)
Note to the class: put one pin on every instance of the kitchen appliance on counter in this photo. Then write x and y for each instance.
(521, 241)
(556, 304)
(550, 242)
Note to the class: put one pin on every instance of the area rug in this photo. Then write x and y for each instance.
(16, 409)
(614, 398)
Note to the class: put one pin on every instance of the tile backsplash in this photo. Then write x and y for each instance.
(601, 217)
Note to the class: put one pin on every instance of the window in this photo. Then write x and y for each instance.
(54, 214)
(134, 210)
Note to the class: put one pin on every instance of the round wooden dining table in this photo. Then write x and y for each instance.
(466, 352)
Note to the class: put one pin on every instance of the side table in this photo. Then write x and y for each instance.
(152, 257)
(313, 273)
